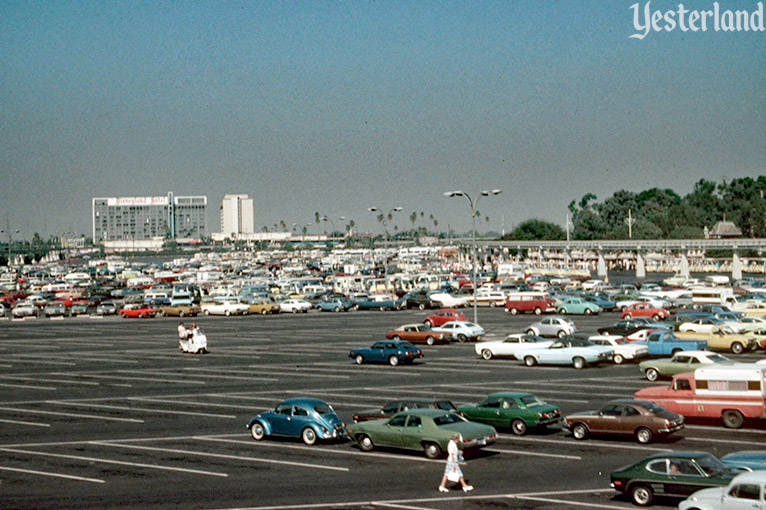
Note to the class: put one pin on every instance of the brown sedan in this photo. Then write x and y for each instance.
(638, 418)
(418, 333)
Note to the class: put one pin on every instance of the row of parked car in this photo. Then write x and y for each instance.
(428, 425)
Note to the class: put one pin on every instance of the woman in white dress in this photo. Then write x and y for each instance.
(452, 470)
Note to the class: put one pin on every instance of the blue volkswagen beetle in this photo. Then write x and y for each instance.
(308, 418)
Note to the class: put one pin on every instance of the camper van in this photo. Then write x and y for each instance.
(713, 296)
(733, 393)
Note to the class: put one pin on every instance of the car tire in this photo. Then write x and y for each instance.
(462, 338)
(627, 316)
(644, 435)
(619, 359)
(486, 354)
(514, 311)
(396, 337)
(518, 427)
(181, 314)
(737, 348)
(336, 309)
(227, 313)
(732, 419)
(530, 332)
(538, 311)
(393, 360)
(207, 312)
(427, 323)
(365, 443)
(430, 340)
(257, 431)
(295, 310)
(656, 317)
(530, 361)
(562, 311)
(561, 334)
(161, 313)
(359, 359)
(309, 436)
(652, 374)
(588, 311)
(432, 450)
(579, 431)
(578, 362)
(641, 495)
(421, 306)
(264, 311)
(492, 304)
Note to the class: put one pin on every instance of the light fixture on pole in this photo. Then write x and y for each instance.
(474, 262)
(384, 221)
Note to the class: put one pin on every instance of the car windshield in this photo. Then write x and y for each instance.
(323, 409)
(652, 407)
(717, 358)
(447, 419)
(531, 401)
(620, 341)
(710, 465)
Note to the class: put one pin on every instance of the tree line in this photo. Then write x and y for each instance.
(659, 213)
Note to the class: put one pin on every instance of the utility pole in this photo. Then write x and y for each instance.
(629, 222)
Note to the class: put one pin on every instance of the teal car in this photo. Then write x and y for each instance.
(670, 474)
(429, 430)
(578, 306)
(517, 411)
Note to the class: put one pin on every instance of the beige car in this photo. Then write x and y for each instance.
(180, 311)
(721, 339)
(264, 307)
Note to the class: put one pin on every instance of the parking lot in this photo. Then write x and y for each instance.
(107, 413)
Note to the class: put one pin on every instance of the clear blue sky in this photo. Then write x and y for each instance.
(336, 106)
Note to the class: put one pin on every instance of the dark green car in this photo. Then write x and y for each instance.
(517, 411)
(675, 475)
(429, 430)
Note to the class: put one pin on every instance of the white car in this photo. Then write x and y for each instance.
(449, 300)
(24, 309)
(461, 330)
(623, 350)
(707, 325)
(486, 297)
(552, 326)
(753, 323)
(294, 306)
(225, 307)
(510, 345)
(747, 490)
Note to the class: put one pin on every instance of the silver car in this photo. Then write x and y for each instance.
(554, 325)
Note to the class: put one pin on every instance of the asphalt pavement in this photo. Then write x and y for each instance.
(108, 413)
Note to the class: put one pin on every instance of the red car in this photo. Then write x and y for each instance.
(644, 310)
(443, 316)
(137, 310)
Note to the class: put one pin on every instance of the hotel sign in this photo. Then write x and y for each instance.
(128, 201)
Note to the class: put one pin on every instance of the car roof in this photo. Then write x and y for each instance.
(426, 412)
(754, 476)
(677, 455)
(510, 394)
(306, 401)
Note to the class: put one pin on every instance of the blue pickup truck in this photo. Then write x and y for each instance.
(664, 343)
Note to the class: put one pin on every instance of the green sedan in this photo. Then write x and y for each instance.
(429, 430)
(671, 474)
(679, 363)
(517, 411)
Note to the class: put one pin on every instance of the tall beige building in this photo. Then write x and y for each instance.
(236, 215)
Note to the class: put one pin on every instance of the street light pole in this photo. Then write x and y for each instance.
(10, 243)
(385, 238)
(474, 262)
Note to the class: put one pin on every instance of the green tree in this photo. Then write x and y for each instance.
(536, 230)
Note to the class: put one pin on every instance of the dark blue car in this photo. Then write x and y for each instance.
(387, 351)
(308, 418)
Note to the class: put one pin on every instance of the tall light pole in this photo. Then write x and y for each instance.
(10, 242)
(385, 238)
(474, 262)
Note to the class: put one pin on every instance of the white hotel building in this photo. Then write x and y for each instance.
(142, 222)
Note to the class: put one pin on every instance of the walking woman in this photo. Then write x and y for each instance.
(452, 470)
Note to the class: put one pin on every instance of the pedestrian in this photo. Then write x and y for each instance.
(182, 333)
(452, 469)
(194, 330)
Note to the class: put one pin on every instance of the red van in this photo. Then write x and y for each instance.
(537, 302)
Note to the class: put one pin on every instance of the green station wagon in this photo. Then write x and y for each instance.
(429, 430)
(517, 411)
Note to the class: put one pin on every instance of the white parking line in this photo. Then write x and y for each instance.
(219, 456)
(308, 448)
(61, 381)
(55, 475)
(149, 379)
(141, 409)
(211, 376)
(71, 415)
(109, 461)
(534, 454)
(27, 386)
(588, 443)
(30, 423)
(185, 402)
(287, 371)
